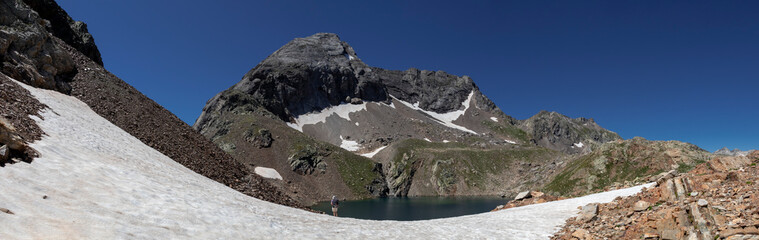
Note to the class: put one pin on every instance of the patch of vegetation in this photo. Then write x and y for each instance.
(683, 167)
(355, 171)
(581, 174)
(451, 163)
(566, 182)
(509, 130)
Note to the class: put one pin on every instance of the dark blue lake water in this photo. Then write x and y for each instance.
(413, 208)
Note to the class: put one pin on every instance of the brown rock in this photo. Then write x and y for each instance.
(580, 234)
(588, 212)
(536, 194)
(5, 210)
(670, 234)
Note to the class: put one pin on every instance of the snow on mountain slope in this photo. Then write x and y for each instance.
(342, 110)
(102, 183)
(445, 118)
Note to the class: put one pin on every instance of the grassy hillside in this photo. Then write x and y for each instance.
(624, 161)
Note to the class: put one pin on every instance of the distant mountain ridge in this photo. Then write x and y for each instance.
(735, 152)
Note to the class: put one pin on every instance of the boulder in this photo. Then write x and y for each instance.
(9, 137)
(588, 212)
(581, 234)
(641, 206)
(536, 194)
(702, 203)
(522, 195)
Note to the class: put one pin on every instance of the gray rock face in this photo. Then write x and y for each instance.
(72, 32)
(312, 73)
(558, 132)
(307, 161)
(261, 138)
(28, 51)
(378, 187)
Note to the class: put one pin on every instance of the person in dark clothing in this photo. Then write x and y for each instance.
(334, 204)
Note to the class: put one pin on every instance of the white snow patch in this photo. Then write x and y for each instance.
(579, 144)
(349, 144)
(349, 56)
(427, 139)
(268, 173)
(509, 141)
(342, 110)
(103, 183)
(392, 105)
(494, 119)
(371, 154)
(357, 124)
(444, 118)
(446, 141)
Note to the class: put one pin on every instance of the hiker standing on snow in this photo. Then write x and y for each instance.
(334, 204)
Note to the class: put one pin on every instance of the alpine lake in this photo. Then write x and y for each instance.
(413, 208)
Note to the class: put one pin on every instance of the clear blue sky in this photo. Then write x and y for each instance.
(663, 70)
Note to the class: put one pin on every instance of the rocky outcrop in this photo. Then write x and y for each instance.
(27, 50)
(13, 148)
(561, 133)
(716, 200)
(400, 175)
(261, 138)
(17, 128)
(74, 33)
(307, 161)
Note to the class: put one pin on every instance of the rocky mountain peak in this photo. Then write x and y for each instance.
(319, 71)
(317, 50)
(562, 133)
